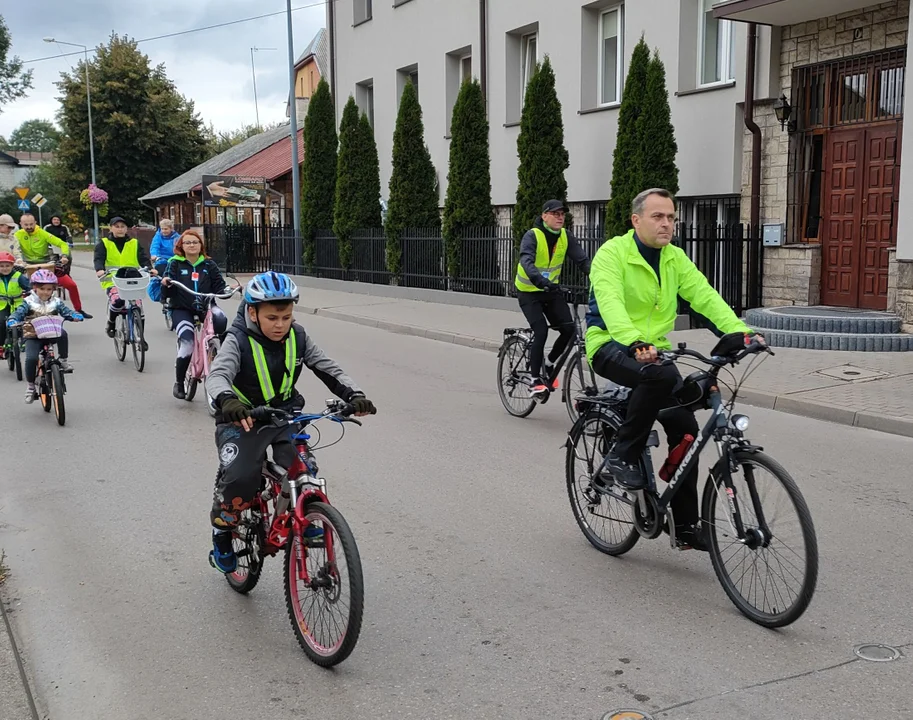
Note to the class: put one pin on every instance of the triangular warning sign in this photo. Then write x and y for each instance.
(22, 192)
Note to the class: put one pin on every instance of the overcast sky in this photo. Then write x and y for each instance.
(211, 67)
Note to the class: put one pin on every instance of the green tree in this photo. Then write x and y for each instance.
(318, 171)
(413, 189)
(357, 181)
(658, 146)
(627, 162)
(35, 136)
(146, 133)
(40, 179)
(540, 145)
(218, 142)
(13, 81)
(468, 201)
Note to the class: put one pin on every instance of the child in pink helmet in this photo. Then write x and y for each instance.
(42, 301)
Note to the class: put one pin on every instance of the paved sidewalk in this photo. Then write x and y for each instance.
(871, 390)
(15, 699)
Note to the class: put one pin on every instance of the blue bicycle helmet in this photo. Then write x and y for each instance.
(270, 287)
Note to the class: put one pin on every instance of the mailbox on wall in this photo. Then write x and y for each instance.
(773, 234)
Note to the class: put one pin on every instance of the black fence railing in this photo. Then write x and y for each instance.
(730, 256)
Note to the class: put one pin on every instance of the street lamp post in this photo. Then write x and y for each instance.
(293, 129)
(253, 73)
(89, 105)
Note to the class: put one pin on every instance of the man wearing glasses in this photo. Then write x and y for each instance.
(543, 250)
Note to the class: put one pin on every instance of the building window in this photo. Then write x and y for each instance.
(708, 212)
(717, 57)
(362, 11)
(522, 53)
(404, 75)
(198, 213)
(364, 98)
(529, 45)
(465, 68)
(611, 33)
(457, 70)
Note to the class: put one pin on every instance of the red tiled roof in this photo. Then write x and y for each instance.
(270, 163)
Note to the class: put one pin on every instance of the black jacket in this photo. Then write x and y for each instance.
(180, 270)
(60, 231)
(101, 252)
(529, 244)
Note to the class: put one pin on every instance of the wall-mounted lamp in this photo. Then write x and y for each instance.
(783, 110)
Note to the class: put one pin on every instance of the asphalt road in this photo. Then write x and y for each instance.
(483, 598)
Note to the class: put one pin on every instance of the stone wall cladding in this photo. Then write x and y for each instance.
(791, 275)
(903, 305)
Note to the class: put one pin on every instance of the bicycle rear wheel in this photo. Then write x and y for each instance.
(139, 341)
(326, 613)
(10, 358)
(58, 390)
(17, 356)
(607, 521)
(770, 580)
(190, 384)
(576, 379)
(120, 337)
(513, 391)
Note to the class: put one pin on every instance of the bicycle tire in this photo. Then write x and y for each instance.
(326, 514)
(169, 323)
(213, 350)
(502, 392)
(804, 596)
(139, 347)
(576, 362)
(607, 421)
(10, 357)
(58, 390)
(120, 337)
(244, 583)
(44, 391)
(190, 384)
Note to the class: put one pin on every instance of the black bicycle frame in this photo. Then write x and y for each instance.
(576, 343)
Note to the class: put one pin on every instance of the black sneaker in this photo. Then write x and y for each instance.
(86, 315)
(178, 391)
(109, 329)
(691, 536)
(626, 475)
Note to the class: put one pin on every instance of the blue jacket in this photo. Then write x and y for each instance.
(163, 247)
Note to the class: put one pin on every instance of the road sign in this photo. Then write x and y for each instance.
(23, 204)
(39, 200)
(22, 192)
(37, 197)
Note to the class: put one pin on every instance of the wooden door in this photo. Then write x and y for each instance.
(842, 222)
(882, 177)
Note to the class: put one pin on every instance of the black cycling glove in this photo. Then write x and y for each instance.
(233, 410)
(363, 406)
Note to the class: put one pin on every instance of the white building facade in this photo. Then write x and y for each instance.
(376, 46)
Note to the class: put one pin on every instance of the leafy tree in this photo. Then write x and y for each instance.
(318, 171)
(468, 201)
(413, 188)
(218, 142)
(627, 163)
(13, 81)
(658, 146)
(540, 145)
(146, 133)
(35, 136)
(357, 181)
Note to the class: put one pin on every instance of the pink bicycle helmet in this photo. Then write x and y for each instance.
(43, 277)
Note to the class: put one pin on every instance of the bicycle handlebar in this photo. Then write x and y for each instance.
(217, 296)
(670, 356)
(337, 410)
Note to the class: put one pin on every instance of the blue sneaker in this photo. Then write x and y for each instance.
(313, 534)
(223, 557)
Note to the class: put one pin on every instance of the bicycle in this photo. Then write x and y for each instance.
(49, 382)
(129, 323)
(298, 498)
(12, 351)
(733, 521)
(206, 344)
(515, 380)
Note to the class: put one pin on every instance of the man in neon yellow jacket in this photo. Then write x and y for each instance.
(635, 282)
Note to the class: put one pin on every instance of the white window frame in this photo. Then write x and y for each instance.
(364, 97)
(525, 69)
(725, 51)
(467, 58)
(619, 56)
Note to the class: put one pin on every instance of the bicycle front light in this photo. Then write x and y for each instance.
(740, 422)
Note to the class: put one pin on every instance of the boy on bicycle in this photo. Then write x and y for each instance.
(42, 301)
(259, 364)
(14, 286)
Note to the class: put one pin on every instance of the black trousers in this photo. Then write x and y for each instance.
(33, 349)
(241, 456)
(541, 310)
(651, 391)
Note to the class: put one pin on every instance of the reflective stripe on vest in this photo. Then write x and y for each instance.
(266, 382)
(550, 268)
(11, 292)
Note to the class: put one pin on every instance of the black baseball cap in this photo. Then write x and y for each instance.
(554, 206)
(117, 219)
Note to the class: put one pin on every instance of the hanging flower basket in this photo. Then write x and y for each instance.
(95, 197)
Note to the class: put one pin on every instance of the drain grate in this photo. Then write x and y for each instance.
(626, 715)
(876, 652)
(850, 373)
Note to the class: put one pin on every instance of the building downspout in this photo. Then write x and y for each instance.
(755, 211)
(755, 265)
(331, 22)
(483, 49)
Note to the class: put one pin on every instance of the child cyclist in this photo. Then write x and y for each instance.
(14, 286)
(42, 301)
(259, 364)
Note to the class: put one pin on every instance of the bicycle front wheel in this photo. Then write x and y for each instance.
(120, 337)
(512, 386)
(325, 603)
(211, 353)
(58, 389)
(770, 580)
(43, 383)
(606, 520)
(139, 342)
(577, 377)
